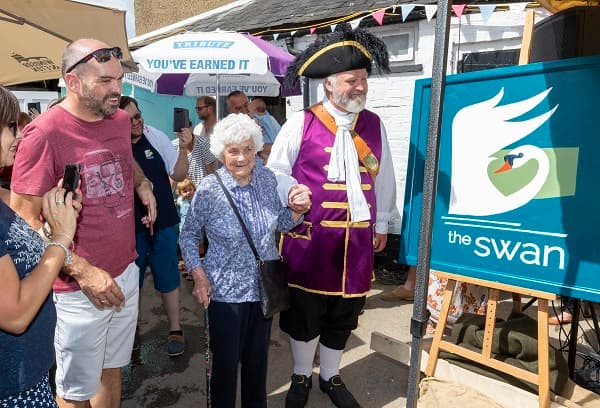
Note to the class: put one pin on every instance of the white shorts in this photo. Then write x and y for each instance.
(88, 340)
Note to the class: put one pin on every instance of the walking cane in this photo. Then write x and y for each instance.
(207, 357)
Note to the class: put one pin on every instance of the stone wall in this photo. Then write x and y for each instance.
(153, 14)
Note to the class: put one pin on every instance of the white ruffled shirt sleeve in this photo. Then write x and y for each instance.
(284, 153)
(385, 186)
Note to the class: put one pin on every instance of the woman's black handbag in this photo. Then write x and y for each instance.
(274, 291)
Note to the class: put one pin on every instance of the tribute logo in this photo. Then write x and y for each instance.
(480, 134)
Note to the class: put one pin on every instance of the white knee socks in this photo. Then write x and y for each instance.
(330, 361)
(304, 355)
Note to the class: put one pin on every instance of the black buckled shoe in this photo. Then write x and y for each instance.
(297, 395)
(337, 391)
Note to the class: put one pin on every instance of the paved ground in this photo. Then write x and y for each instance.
(155, 380)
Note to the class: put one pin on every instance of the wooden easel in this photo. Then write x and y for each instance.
(541, 379)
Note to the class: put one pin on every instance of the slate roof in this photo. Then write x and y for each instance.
(261, 14)
(267, 16)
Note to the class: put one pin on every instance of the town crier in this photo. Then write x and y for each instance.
(338, 150)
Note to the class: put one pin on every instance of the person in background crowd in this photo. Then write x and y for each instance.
(185, 192)
(406, 291)
(158, 159)
(324, 148)
(237, 102)
(226, 280)
(96, 294)
(56, 101)
(6, 171)
(268, 124)
(201, 160)
(24, 119)
(27, 270)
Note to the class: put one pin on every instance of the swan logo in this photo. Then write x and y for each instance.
(487, 178)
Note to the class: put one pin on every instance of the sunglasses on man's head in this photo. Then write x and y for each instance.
(102, 55)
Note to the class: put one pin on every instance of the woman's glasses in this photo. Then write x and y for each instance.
(102, 55)
(14, 126)
(137, 116)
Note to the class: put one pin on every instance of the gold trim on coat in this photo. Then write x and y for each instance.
(362, 169)
(337, 204)
(323, 292)
(342, 187)
(295, 235)
(345, 224)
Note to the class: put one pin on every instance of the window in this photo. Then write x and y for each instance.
(399, 42)
(477, 61)
(399, 46)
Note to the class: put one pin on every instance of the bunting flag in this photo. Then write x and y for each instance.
(430, 10)
(517, 6)
(406, 9)
(458, 9)
(378, 16)
(355, 23)
(486, 11)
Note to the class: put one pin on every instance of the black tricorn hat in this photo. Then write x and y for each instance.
(343, 50)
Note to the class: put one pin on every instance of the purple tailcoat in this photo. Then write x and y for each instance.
(328, 254)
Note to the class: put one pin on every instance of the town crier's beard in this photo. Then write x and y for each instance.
(349, 91)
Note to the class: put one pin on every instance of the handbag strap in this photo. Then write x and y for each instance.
(239, 217)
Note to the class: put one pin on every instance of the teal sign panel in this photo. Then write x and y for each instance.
(518, 195)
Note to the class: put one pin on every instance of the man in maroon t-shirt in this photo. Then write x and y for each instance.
(96, 294)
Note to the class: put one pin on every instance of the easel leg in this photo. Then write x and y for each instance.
(434, 351)
(490, 323)
(543, 355)
(517, 303)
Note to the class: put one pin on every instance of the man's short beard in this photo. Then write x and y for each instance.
(98, 106)
(354, 105)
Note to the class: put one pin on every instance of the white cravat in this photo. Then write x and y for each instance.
(343, 166)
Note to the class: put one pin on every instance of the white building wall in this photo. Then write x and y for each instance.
(43, 97)
(391, 97)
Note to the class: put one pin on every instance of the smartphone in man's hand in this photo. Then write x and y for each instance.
(181, 119)
(71, 178)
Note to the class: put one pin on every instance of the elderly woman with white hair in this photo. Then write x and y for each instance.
(226, 280)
